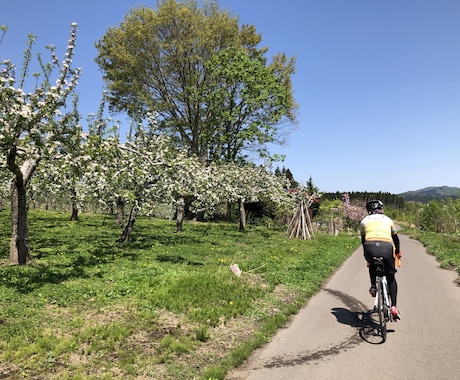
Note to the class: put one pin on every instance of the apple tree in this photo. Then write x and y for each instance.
(33, 126)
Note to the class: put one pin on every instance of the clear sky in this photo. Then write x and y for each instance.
(377, 81)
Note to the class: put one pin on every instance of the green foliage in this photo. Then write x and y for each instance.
(246, 98)
(432, 217)
(288, 174)
(439, 216)
(160, 305)
(205, 76)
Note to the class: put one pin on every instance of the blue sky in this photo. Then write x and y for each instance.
(377, 81)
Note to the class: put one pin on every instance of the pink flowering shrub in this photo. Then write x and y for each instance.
(354, 212)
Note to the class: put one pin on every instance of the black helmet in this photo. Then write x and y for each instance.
(373, 206)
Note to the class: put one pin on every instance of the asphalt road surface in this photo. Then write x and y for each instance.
(327, 339)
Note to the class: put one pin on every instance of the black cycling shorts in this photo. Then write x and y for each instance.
(383, 249)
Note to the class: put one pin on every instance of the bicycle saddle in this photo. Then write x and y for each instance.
(379, 265)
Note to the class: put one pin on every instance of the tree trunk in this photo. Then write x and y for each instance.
(180, 206)
(126, 234)
(19, 245)
(74, 215)
(120, 211)
(242, 215)
(229, 211)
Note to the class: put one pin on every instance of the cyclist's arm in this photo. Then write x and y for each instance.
(362, 232)
(395, 238)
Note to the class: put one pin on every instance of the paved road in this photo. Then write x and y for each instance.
(323, 341)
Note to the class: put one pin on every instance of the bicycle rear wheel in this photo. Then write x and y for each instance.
(381, 310)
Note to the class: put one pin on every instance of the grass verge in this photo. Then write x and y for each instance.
(164, 306)
(445, 247)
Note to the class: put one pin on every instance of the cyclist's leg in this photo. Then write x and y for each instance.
(390, 271)
(371, 250)
(393, 287)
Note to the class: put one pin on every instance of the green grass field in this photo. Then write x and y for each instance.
(164, 306)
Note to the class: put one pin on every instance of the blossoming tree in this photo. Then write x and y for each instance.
(354, 212)
(32, 126)
(250, 184)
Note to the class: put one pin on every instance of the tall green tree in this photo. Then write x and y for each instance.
(212, 87)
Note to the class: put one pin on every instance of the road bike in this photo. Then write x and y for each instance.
(382, 304)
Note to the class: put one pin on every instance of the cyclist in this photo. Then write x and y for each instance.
(379, 238)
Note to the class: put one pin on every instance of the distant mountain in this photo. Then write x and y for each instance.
(431, 193)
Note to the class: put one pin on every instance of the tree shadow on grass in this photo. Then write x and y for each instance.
(56, 263)
(26, 278)
(177, 259)
(57, 257)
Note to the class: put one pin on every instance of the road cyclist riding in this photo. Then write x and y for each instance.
(381, 249)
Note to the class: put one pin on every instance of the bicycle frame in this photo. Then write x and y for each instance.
(382, 303)
(382, 289)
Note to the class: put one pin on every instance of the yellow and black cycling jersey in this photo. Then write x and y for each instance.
(377, 227)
